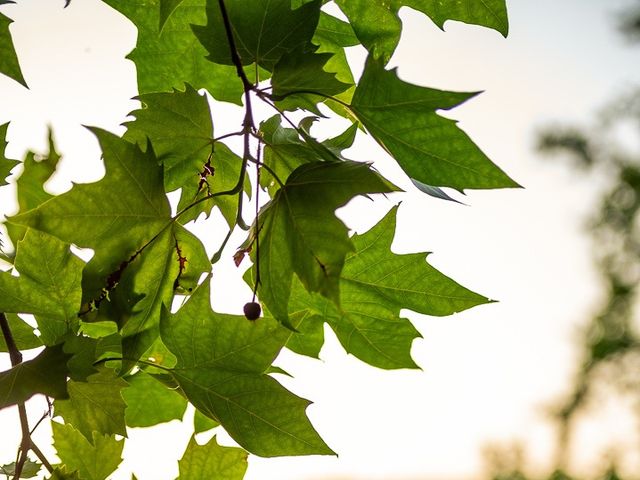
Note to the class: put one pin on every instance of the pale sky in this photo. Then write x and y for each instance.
(487, 373)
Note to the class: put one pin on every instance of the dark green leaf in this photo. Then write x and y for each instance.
(202, 423)
(61, 473)
(95, 405)
(378, 27)
(429, 148)
(150, 402)
(30, 469)
(180, 129)
(221, 365)
(167, 60)
(9, 64)
(299, 232)
(264, 30)
(167, 7)
(95, 459)
(130, 198)
(46, 374)
(375, 285)
(211, 461)
(22, 334)
(48, 285)
(6, 165)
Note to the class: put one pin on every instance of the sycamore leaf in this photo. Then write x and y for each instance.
(202, 423)
(180, 129)
(30, 184)
(167, 7)
(95, 405)
(45, 374)
(221, 367)
(48, 285)
(431, 149)
(377, 24)
(212, 461)
(93, 459)
(9, 64)
(130, 198)
(30, 469)
(22, 334)
(299, 232)
(150, 402)
(166, 59)
(375, 285)
(6, 165)
(264, 30)
(302, 73)
(61, 473)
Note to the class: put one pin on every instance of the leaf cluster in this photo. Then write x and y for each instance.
(116, 350)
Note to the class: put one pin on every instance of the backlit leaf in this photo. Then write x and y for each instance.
(95, 405)
(9, 64)
(45, 374)
(150, 402)
(167, 59)
(6, 165)
(95, 459)
(429, 148)
(206, 462)
(221, 364)
(299, 232)
(22, 333)
(264, 30)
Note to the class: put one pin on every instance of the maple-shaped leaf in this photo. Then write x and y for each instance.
(6, 165)
(9, 64)
(264, 30)
(37, 170)
(284, 151)
(129, 198)
(22, 333)
(49, 285)
(95, 405)
(378, 26)
(299, 232)
(221, 367)
(302, 73)
(93, 459)
(150, 402)
(30, 468)
(431, 149)
(375, 285)
(180, 129)
(165, 59)
(209, 461)
(45, 374)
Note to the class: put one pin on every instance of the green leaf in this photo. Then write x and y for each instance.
(6, 165)
(130, 198)
(375, 285)
(429, 148)
(202, 423)
(9, 64)
(221, 364)
(264, 30)
(299, 232)
(95, 459)
(61, 473)
(48, 285)
(377, 24)
(167, 7)
(303, 71)
(168, 59)
(22, 334)
(150, 402)
(211, 461)
(46, 374)
(95, 405)
(179, 126)
(30, 469)
(30, 185)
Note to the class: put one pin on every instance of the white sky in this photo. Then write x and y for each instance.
(487, 373)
